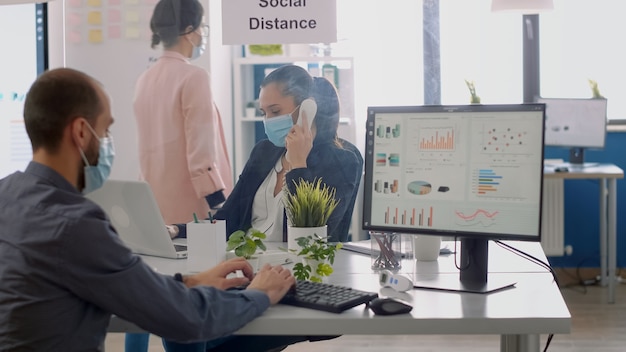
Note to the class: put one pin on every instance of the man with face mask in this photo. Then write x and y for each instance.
(64, 270)
(182, 148)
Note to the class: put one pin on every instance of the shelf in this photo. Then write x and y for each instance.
(260, 60)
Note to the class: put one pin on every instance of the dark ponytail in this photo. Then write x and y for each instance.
(327, 118)
(171, 18)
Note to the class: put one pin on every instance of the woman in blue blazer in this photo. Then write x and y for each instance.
(294, 152)
(315, 152)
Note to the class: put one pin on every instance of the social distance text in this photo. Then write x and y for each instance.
(262, 23)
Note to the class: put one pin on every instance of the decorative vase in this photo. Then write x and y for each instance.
(296, 232)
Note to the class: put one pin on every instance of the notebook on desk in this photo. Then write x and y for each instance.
(136, 217)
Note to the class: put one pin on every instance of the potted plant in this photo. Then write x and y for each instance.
(245, 244)
(318, 256)
(595, 90)
(474, 98)
(250, 110)
(308, 209)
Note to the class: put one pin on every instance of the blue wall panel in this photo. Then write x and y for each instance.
(582, 207)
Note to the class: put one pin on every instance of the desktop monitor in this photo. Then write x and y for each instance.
(578, 124)
(469, 171)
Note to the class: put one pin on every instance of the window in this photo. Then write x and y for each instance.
(481, 46)
(580, 41)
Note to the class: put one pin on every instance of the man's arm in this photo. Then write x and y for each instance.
(110, 276)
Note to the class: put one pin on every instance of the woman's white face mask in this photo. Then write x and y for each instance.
(198, 50)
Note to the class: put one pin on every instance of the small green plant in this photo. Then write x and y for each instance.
(246, 243)
(474, 99)
(311, 203)
(595, 91)
(251, 104)
(316, 249)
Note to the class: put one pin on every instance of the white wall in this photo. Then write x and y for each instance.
(221, 72)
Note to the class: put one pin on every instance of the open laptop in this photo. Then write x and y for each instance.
(135, 215)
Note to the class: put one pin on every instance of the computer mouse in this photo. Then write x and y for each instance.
(388, 306)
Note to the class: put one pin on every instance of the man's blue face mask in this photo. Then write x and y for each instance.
(96, 175)
(277, 128)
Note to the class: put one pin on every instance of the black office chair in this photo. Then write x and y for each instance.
(344, 226)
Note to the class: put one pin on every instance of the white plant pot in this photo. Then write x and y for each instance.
(296, 232)
(314, 264)
(250, 113)
(254, 263)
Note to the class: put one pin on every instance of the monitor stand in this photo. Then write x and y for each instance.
(473, 276)
(577, 157)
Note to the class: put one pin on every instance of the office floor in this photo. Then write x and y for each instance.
(596, 326)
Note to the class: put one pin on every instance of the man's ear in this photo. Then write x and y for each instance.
(79, 132)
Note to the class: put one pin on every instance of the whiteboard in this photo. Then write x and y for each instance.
(110, 40)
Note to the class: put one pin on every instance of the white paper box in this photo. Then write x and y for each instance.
(206, 245)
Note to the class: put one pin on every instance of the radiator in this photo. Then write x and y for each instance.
(552, 233)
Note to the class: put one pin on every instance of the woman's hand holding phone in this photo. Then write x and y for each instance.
(299, 143)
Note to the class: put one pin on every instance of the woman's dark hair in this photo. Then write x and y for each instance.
(171, 18)
(325, 95)
(55, 99)
(296, 82)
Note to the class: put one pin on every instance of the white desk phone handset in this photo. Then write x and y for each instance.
(309, 108)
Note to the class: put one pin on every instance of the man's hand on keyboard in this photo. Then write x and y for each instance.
(216, 277)
(275, 281)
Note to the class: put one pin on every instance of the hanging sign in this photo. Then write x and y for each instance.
(279, 21)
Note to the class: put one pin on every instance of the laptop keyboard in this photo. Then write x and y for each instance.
(326, 297)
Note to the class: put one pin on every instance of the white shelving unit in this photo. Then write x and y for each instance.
(245, 91)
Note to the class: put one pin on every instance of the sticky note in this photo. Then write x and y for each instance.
(75, 3)
(115, 32)
(132, 17)
(94, 18)
(73, 19)
(74, 37)
(94, 3)
(114, 16)
(132, 32)
(150, 2)
(95, 36)
(132, 2)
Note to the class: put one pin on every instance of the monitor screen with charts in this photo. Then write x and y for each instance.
(472, 171)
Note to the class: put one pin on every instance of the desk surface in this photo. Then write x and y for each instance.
(596, 171)
(533, 306)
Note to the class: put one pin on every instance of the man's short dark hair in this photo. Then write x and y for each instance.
(54, 100)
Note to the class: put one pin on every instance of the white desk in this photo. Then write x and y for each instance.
(607, 174)
(519, 315)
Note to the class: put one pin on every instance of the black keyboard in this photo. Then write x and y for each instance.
(326, 297)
